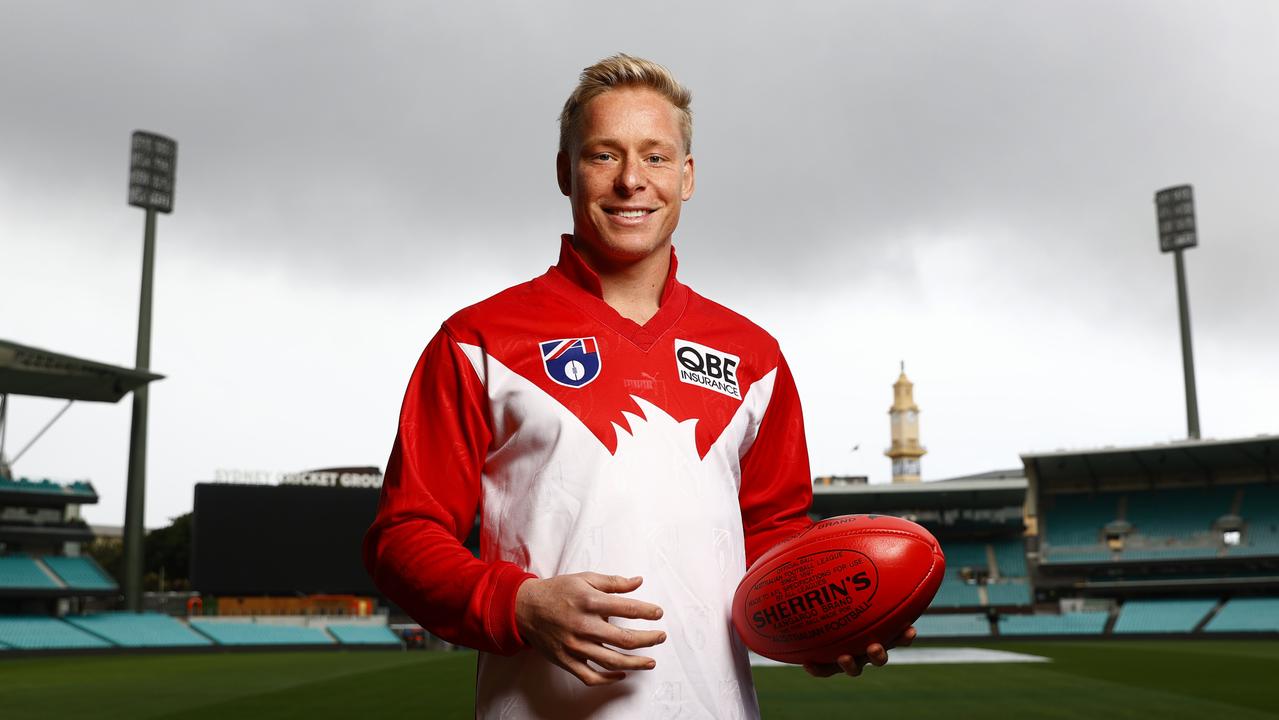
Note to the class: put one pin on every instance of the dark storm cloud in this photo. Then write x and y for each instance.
(965, 185)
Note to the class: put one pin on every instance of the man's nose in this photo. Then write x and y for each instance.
(630, 176)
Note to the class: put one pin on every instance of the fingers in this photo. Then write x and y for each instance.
(906, 638)
(610, 659)
(608, 605)
(821, 669)
(624, 638)
(588, 675)
(612, 583)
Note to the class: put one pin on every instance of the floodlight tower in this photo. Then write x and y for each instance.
(1175, 208)
(151, 167)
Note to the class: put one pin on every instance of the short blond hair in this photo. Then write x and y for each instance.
(622, 70)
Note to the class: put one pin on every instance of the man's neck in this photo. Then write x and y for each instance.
(633, 289)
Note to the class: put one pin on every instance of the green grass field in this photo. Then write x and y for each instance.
(1097, 679)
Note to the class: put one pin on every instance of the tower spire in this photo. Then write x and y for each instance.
(904, 424)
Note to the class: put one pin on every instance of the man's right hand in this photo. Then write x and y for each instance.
(566, 619)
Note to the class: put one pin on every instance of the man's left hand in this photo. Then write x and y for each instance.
(852, 665)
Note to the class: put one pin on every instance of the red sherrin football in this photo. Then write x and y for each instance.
(834, 589)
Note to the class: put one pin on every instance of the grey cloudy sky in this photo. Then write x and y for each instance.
(963, 186)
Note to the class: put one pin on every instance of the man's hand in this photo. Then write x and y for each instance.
(876, 655)
(566, 619)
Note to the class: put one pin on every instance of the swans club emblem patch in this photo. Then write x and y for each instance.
(573, 362)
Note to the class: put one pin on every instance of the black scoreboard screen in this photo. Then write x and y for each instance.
(280, 539)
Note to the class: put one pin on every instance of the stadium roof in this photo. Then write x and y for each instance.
(1183, 457)
(999, 488)
(27, 370)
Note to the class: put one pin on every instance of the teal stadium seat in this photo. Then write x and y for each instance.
(1017, 593)
(1010, 556)
(21, 632)
(956, 593)
(140, 630)
(20, 572)
(1162, 616)
(80, 573)
(965, 554)
(1179, 514)
(249, 633)
(363, 634)
(1084, 623)
(943, 626)
(1241, 615)
(1260, 511)
(1077, 520)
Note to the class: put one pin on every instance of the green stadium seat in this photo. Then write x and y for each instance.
(1008, 594)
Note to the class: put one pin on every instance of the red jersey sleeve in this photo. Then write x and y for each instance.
(430, 494)
(776, 490)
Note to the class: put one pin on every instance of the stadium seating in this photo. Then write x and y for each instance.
(1260, 511)
(1162, 616)
(1008, 594)
(940, 626)
(248, 633)
(20, 571)
(1077, 520)
(139, 629)
(1010, 556)
(965, 554)
(1084, 623)
(956, 593)
(363, 634)
(1168, 553)
(45, 633)
(1068, 556)
(78, 488)
(80, 573)
(1241, 615)
(1178, 514)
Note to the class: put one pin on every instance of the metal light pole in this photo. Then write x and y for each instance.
(151, 168)
(1175, 208)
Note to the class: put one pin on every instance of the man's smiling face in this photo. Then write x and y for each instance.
(626, 175)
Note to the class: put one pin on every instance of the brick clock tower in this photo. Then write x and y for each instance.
(904, 420)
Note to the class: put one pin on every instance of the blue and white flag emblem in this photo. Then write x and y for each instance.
(573, 362)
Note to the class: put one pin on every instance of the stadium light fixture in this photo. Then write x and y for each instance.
(1175, 212)
(153, 160)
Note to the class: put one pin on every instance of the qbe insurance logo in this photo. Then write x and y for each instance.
(573, 362)
(707, 367)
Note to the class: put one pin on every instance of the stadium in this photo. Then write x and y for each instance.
(1083, 581)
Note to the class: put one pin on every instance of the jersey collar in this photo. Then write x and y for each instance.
(573, 277)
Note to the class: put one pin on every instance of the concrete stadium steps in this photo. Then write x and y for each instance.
(946, 626)
(80, 573)
(45, 633)
(1244, 615)
(253, 633)
(363, 634)
(1162, 616)
(140, 630)
(1084, 623)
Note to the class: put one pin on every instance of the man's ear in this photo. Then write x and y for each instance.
(686, 189)
(564, 173)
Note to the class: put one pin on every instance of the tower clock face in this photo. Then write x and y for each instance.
(911, 416)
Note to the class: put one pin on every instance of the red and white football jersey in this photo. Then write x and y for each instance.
(672, 450)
